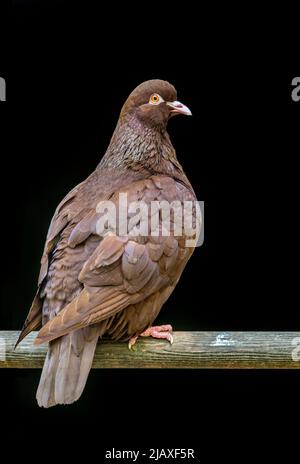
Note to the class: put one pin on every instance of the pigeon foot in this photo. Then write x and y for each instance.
(160, 331)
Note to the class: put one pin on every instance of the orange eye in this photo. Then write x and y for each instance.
(154, 99)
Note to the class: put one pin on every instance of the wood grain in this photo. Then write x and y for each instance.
(190, 350)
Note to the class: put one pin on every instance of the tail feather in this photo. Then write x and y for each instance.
(67, 366)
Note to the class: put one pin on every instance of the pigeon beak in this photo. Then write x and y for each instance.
(179, 108)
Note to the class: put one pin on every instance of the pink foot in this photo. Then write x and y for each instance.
(159, 331)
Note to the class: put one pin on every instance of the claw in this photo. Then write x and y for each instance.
(171, 339)
(132, 342)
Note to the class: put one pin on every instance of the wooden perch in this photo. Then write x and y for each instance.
(193, 350)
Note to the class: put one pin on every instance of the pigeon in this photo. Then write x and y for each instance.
(97, 280)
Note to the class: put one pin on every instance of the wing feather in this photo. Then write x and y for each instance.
(121, 271)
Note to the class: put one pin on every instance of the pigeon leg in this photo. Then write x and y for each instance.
(159, 331)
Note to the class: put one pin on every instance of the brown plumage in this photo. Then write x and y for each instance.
(114, 286)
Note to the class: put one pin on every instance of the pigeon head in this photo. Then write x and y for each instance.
(153, 103)
(140, 139)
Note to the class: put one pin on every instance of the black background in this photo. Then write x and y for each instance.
(69, 71)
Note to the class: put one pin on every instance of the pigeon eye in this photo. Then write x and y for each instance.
(155, 99)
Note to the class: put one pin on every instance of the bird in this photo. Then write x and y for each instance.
(94, 285)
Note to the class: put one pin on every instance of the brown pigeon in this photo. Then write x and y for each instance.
(95, 284)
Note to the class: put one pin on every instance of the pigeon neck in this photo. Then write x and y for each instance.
(137, 146)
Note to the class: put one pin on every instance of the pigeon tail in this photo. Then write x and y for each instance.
(66, 367)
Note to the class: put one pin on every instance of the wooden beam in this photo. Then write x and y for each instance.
(193, 350)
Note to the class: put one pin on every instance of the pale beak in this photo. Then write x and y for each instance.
(179, 108)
